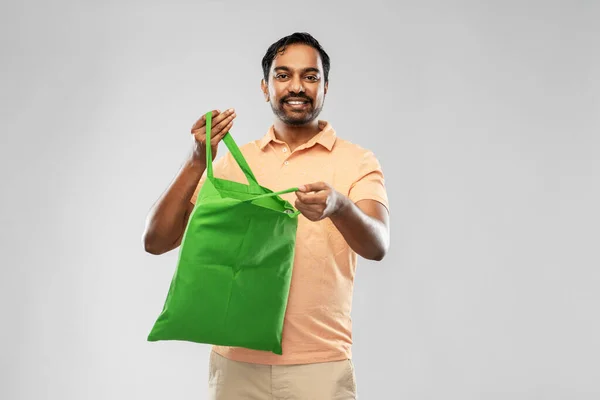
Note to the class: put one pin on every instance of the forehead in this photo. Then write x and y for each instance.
(298, 56)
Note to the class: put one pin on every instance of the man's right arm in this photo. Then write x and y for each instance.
(168, 217)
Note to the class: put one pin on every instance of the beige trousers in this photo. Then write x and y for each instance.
(234, 380)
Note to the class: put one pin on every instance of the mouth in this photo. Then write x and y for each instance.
(296, 104)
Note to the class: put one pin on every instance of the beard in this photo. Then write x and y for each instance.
(297, 117)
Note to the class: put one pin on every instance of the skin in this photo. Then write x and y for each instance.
(297, 73)
(168, 217)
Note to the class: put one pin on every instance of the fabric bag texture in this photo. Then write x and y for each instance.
(232, 279)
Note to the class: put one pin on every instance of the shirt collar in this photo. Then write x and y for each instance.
(326, 137)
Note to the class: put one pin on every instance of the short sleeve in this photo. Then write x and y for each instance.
(369, 183)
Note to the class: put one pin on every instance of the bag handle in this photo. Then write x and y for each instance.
(292, 212)
(235, 152)
(260, 196)
(243, 164)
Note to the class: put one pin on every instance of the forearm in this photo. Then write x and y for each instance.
(366, 235)
(166, 220)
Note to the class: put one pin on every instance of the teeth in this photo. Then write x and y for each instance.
(296, 102)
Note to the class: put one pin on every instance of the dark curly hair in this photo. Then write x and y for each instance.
(295, 38)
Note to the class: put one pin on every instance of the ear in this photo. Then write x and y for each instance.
(326, 86)
(265, 89)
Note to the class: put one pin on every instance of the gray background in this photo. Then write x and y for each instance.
(484, 115)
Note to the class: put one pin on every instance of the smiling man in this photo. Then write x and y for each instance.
(344, 214)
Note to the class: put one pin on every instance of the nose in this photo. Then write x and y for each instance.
(295, 85)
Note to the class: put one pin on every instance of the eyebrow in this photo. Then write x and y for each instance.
(309, 69)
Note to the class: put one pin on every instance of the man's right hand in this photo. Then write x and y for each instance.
(221, 124)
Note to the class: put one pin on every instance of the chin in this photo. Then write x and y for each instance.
(293, 120)
(296, 122)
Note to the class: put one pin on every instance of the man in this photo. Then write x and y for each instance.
(344, 213)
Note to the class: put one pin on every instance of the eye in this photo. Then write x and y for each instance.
(312, 78)
(281, 76)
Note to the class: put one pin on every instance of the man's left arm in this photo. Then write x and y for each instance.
(364, 224)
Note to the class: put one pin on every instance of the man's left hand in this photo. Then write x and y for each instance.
(317, 201)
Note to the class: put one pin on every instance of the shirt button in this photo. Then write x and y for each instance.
(284, 149)
(286, 162)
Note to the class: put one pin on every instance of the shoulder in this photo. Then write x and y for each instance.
(357, 154)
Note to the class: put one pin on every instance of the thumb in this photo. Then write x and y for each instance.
(312, 187)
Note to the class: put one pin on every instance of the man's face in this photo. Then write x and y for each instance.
(296, 87)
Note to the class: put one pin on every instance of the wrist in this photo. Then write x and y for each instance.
(343, 204)
(196, 163)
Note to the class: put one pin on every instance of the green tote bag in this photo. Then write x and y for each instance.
(232, 279)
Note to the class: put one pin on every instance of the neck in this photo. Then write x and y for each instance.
(295, 136)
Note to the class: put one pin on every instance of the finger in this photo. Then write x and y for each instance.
(202, 120)
(218, 124)
(221, 117)
(201, 123)
(224, 123)
(221, 124)
(217, 138)
(313, 187)
(317, 208)
(307, 211)
(312, 198)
